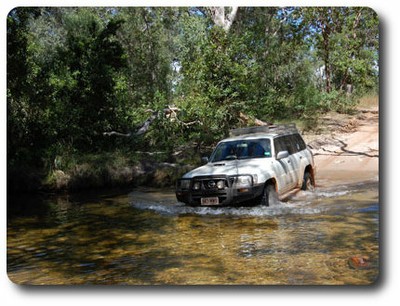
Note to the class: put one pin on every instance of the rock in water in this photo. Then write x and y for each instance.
(359, 262)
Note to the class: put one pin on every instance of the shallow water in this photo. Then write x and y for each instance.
(146, 237)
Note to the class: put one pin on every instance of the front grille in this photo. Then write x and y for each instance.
(211, 183)
(207, 186)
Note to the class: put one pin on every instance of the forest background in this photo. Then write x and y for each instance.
(120, 96)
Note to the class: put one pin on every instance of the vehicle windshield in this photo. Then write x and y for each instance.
(242, 149)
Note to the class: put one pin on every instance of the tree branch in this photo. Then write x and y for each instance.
(170, 112)
(117, 134)
(174, 116)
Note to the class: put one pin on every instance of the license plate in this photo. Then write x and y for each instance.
(210, 201)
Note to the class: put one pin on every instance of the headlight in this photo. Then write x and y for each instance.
(196, 186)
(243, 181)
(184, 184)
(221, 184)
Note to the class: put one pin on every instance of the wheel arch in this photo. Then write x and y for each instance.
(310, 170)
(272, 181)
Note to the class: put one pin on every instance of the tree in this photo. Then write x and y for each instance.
(23, 114)
(83, 83)
(74, 74)
(346, 40)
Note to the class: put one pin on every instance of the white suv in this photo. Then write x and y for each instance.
(255, 165)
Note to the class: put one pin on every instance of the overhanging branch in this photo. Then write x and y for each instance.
(170, 112)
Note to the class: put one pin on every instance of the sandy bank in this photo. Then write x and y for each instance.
(349, 151)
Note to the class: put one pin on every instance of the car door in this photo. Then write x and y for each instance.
(300, 158)
(283, 167)
(294, 156)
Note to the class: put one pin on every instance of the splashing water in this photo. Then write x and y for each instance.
(304, 203)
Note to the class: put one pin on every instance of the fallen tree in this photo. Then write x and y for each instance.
(169, 112)
(141, 130)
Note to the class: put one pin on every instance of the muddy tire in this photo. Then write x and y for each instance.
(308, 183)
(269, 196)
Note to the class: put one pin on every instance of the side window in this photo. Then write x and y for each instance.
(277, 145)
(295, 144)
(280, 145)
(290, 144)
(287, 143)
(303, 145)
(298, 142)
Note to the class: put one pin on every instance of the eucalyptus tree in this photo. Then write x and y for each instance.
(346, 41)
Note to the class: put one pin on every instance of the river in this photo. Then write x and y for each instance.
(145, 237)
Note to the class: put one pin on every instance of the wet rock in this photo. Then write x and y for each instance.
(359, 262)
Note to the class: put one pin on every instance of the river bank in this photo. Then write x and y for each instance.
(347, 151)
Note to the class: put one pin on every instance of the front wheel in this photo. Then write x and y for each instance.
(269, 196)
(308, 183)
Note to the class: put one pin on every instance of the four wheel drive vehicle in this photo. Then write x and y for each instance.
(255, 165)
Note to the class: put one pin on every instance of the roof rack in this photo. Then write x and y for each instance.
(274, 128)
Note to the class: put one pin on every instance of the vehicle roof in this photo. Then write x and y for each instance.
(260, 132)
(255, 136)
(249, 137)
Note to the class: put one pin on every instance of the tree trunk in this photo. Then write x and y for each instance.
(325, 36)
(220, 18)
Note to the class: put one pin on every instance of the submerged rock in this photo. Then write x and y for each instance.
(359, 262)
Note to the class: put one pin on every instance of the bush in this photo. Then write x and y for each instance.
(338, 101)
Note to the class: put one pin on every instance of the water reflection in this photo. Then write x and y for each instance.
(145, 237)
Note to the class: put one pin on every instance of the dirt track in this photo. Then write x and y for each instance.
(348, 150)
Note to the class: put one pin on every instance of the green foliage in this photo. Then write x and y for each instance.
(346, 42)
(84, 81)
(74, 73)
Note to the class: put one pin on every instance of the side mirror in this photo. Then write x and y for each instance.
(204, 160)
(282, 154)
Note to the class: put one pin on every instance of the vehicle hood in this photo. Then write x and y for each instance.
(231, 167)
(219, 168)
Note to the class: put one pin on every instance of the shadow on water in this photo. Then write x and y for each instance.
(78, 238)
(146, 237)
